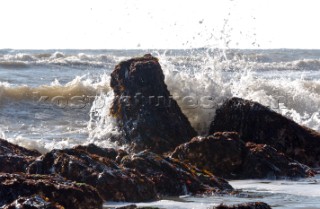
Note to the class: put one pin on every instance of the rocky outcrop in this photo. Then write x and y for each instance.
(253, 205)
(114, 182)
(172, 177)
(14, 158)
(65, 193)
(225, 155)
(259, 124)
(122, 177)
(146, 113)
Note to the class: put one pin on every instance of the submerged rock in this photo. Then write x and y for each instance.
(253, 205)
(172, 177)
(14, 158)
(114, 182)
(145, 111)
(65, 193)
(225, 155)
(259, 124)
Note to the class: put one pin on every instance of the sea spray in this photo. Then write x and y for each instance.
(298, 99)
(102, 126)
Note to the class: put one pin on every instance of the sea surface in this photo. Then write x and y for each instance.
(60, 98)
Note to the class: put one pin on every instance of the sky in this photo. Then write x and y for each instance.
(147, 24)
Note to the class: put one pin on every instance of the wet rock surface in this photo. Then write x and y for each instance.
(222, 154)
(34, 202)
(134, 177)
(264, 161)
(172, 177)
(259, 124)
(254, 205)
(114, 182)
(225, 155)
(145, 111)
(65, 193)
(14, 158)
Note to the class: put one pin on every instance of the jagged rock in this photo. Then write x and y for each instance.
(253, 205)
(114, 183)
(146, 113)
(225, 155)
(172, 177)
(33, 202)
(14, 158)
(259, 124)
(65, 193)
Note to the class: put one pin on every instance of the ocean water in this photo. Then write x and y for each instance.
(61, 98)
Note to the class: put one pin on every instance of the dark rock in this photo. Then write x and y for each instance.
(93, 149)
(145, 111)
(7, 148)
(113, 182)
(264, 161)
(15, 163)
(14, 158)
(172, 177)
(224, 154)
(253, 205)
(221, 154)
(259, 124)
(67, 194)
(34, 202)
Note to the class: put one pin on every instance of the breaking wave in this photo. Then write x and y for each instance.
(199, 80)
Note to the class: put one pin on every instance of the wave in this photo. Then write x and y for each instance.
(24, 60)
(228, 61)
(298, 99)
(80, 86)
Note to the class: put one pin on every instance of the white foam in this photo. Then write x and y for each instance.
(296, 98)
(102, 126)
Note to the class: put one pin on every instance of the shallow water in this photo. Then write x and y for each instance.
(302, 194)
